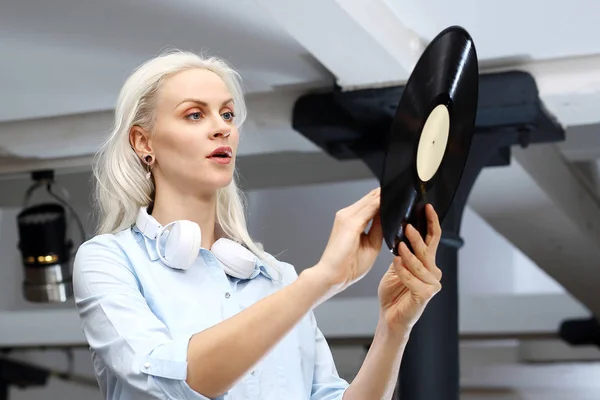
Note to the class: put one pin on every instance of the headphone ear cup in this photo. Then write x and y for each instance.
(183, 244)
(237, 260)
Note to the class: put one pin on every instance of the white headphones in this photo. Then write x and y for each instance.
(183, 246)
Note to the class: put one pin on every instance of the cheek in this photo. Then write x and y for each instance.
(182, 141)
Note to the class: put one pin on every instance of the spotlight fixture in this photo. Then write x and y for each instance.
(44, 243)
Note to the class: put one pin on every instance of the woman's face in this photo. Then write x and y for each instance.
(194, 139)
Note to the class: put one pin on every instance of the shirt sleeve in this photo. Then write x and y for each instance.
(327, 384)
(138, 350)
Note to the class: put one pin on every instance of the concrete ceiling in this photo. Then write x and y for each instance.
(66, 60)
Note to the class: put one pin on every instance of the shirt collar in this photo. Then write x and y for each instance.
(262, 268)
(259, 266)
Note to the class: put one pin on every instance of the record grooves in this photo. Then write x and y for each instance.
(431, 135)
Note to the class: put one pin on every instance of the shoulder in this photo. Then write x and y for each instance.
(106, 251)
(103, 260)
(108, 244)
(285, 272)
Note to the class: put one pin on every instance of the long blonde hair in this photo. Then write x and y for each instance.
(121, 184)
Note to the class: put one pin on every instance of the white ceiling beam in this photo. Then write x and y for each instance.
(512, 381)
(55, 137)
(480, 316)
(362, 42)
(544, 208)
(582, 143)
(256, 171)
(563, 186)
(556, 350)
(569, 87)
(17, 167)
(267, 130)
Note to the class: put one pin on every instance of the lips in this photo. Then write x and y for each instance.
(221, 152)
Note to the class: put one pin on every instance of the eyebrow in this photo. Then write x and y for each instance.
(203, 103)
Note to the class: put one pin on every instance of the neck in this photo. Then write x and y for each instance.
(170, 206)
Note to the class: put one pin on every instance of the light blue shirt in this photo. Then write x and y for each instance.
(138, 315)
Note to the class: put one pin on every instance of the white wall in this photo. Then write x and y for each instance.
(490, 264)
(296, 222)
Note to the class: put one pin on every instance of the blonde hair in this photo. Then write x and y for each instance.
(121, 183)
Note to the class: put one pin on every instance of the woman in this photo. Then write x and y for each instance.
(177, 301)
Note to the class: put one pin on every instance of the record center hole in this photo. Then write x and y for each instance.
(433, 141)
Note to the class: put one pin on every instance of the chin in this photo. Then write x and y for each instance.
(220, 182)
(216, 178)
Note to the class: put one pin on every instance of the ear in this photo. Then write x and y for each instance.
(140, 141)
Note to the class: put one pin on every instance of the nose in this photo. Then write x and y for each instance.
(221, 134)
(221, 129)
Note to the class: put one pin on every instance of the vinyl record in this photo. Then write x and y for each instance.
(430, 137)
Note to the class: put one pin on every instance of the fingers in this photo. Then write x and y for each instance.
(422, 253)
(412, 283)
(434, 230)
(368, 211)
(358, 215)
(421, 291)
(416, 267)
(365, 201)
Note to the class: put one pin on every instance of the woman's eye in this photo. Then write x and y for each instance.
(194, 116)
(228, 116)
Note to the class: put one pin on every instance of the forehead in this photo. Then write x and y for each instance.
(195, 83)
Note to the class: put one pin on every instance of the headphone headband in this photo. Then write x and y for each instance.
(147, 224)
(184, 242)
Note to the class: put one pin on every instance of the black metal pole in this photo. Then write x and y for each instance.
(4, 390)
(430, 367)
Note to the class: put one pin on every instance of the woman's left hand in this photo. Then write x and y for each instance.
(412, 279)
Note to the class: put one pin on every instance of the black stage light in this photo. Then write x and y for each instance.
(45, 246)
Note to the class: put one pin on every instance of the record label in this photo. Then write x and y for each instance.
(433, 141)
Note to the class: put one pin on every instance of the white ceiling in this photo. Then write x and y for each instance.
(71, 56)
(509, 29)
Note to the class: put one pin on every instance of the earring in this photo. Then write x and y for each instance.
(148, 160)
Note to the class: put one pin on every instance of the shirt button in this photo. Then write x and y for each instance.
(147, 365)
(227, 295)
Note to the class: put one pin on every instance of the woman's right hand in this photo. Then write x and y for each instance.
(350, 252)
